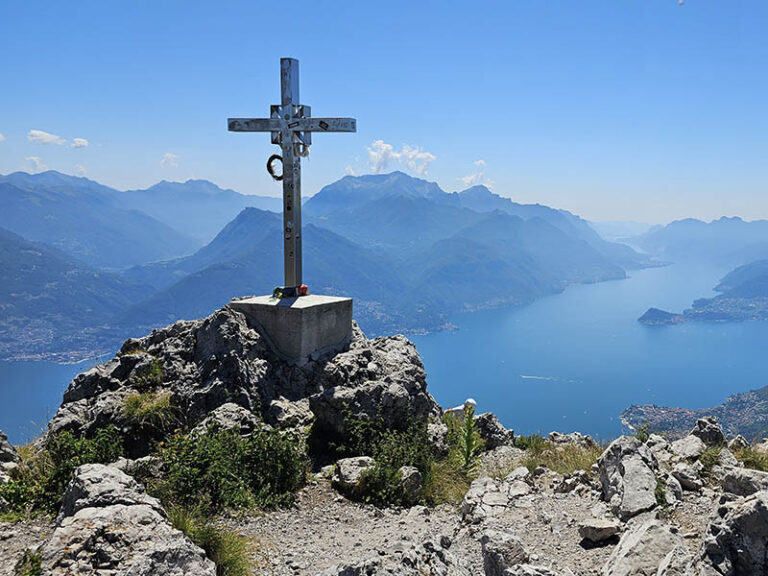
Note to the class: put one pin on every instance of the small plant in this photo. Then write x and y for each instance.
(38, 484)
(642, 432)
(227, 549)
(660, 493)
(30, 564)
(709, 459)
(469, 441)
(151, 378)
(151, 409)
(534, 442)
(221, 470)
(564, 459)
(752, 458)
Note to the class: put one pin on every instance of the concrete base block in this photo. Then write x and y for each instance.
(302, 328)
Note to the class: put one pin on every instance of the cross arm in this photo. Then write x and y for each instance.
(325, 124)
(295, 124)
(255, 124)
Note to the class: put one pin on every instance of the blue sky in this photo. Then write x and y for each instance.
(631, 109)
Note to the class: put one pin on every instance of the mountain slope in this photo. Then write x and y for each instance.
(85, 220)
(333, 265)
(729, 241)
(48, 298)
(195, 208)
(250, 229)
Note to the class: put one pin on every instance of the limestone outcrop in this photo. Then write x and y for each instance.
(200, 366)
(108, 524)
(737, 538)
(627, 472)
(9, 458)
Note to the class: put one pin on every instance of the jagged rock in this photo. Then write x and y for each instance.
(738, 443)
(688, 477)
(673, 491)
(349, 471)
(438, 437)
(744, 481)
(737, 538)
(575, 438)
(676, 563)
(531, 570)
(287, 414)
(656, 442)
(521, 473)
(148, 466)
(221, 359)
(709, 431)
(627, 476)
(107, 522)
(405, 559)
(501, 551)
(492, 431)
(688, 447)
(410, 483)
(572, 481)
(599, 529)
(9, 458)
(230, 416)
(488, 497)
(726, 459)
(642, 550)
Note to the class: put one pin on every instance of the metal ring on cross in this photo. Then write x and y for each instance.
(271, 168)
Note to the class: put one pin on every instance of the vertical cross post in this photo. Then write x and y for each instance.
(291, 126)
(289, 95)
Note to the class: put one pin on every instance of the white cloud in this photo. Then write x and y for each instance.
(381, 155)
(477, 178)
(79, 143)
(45, 138)
(170, 159)
(36, 165)
(1, 137)
(80, 170)
(351, 170)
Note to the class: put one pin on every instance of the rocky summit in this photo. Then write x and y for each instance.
(135, 477)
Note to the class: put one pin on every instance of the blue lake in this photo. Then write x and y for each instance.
(568, 362)
(574, 361)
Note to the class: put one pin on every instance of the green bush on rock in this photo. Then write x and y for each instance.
(38, 484)
(221, 470)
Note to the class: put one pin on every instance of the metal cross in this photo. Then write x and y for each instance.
(291, 127)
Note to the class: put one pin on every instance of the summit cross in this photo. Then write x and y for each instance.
(291, 126)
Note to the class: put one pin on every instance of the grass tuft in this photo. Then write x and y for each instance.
(227, 549)
(753, 458)
(151, 409)
(564, 459)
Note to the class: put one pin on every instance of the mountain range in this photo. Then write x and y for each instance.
(724, 242)
(410, 253)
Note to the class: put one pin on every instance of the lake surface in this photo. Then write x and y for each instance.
(568, 362)
(574, 361)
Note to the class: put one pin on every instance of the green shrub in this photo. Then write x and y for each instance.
(227, 549)
(659, 493)
(534, 442)
(752, 458)
(151, 379)
(564, 459)
(30, 564)
(391, 449)
(151, 410)
(709, 459)
(38, 484)
(221, 470)
(642, 432)
(470, 442)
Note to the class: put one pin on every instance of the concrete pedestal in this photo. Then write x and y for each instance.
(302, 328)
